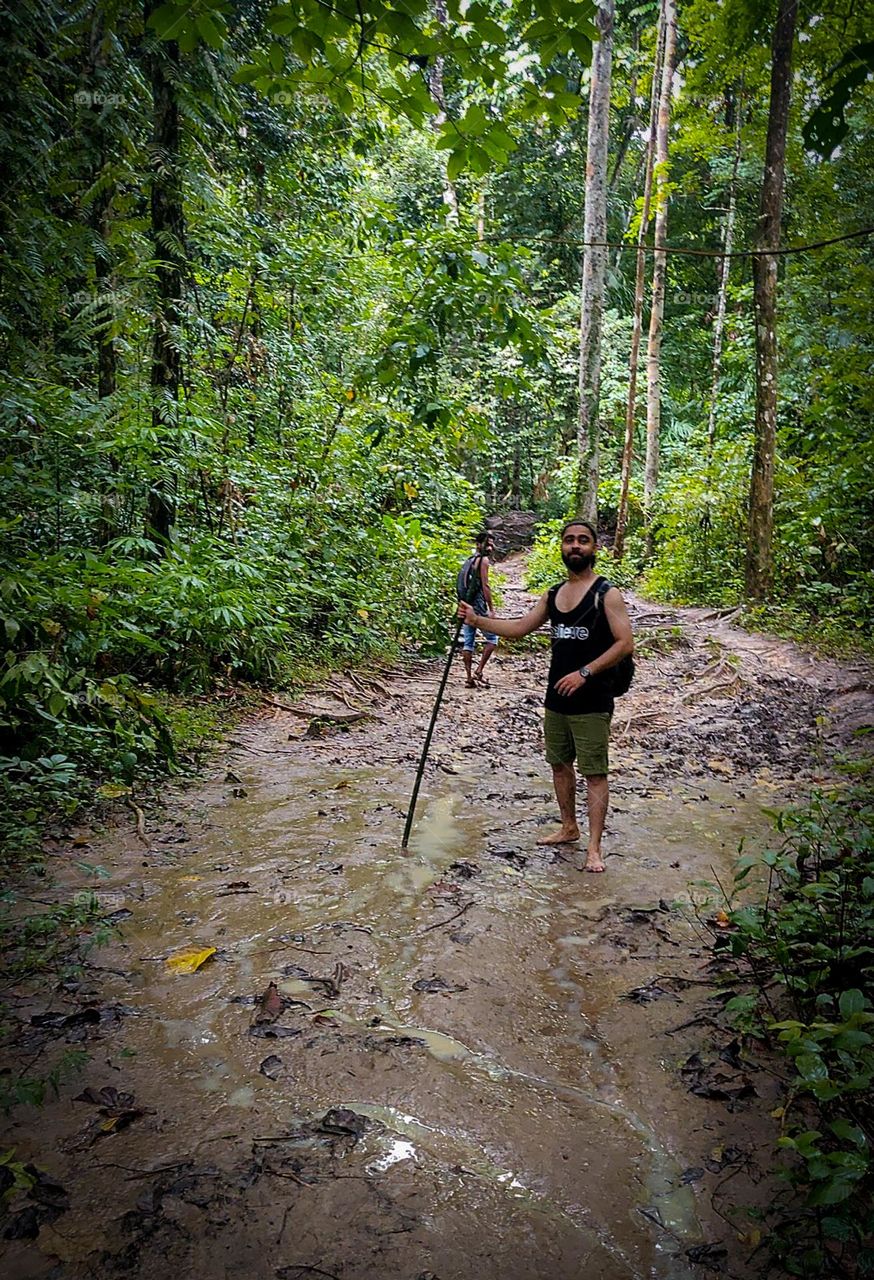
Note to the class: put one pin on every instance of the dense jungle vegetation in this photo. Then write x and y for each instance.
(294, 295)
(291, 298)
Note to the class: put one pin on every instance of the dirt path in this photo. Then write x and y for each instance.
(478, 1062)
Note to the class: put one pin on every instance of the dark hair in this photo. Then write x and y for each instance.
(586, 525)
(483, 537)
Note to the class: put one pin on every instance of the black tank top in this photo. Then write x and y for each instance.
(578, 637)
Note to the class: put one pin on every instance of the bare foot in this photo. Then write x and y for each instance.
(594, 861)
(564, 835)
(470, 684)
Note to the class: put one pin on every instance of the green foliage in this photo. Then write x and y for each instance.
(701, 530)
(810, 943)
(54, 940)
(30, 1089)
(545, 566)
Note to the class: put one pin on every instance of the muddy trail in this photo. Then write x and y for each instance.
(466, 1063)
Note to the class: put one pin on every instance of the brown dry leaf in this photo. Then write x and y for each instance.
(269, 1004)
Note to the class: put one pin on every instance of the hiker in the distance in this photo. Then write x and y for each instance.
(473, 585)
(591, 632)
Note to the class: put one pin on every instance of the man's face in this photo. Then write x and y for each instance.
(578, 548)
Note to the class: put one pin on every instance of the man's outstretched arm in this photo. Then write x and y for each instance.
(512, 628)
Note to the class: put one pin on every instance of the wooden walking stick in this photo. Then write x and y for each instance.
(474, 583)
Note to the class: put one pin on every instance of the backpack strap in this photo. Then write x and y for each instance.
(602, 586)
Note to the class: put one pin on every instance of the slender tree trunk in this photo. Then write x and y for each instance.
(594, 266)
(640, 171)
(660, 264)
(759, 565)
(168, 236)
(724, 270)
(637, 319)
(435, 84)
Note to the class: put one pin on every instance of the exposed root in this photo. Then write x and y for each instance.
(140, 817)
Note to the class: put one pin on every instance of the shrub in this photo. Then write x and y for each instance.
(810, 947)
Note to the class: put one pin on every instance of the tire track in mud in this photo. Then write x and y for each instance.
(483, 1058)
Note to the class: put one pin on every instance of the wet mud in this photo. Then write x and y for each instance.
(474, 1060)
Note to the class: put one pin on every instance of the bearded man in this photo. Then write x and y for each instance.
(591, 632)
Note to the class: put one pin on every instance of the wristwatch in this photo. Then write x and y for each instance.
(585, 672)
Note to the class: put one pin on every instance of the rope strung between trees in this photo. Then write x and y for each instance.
(693, 253)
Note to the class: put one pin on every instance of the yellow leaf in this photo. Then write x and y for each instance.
(351, 393)
(777, 1113)
(112, 790)
(410, 489)
(190, 960)
(50, 627)
(363, 614)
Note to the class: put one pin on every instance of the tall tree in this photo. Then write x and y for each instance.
(594, 265)
(734, 108)
(438, 93)
(637, 310)
(759, 563)
(167, 229)
(668, 20)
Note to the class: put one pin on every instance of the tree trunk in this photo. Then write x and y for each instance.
(725, 268)
(659, 273)
(167, 231)
(637, 320)
(759, 565)
(435, 84)
(594, 266)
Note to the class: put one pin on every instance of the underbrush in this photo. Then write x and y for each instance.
(834, 632)
(806, 949)
(110, 657)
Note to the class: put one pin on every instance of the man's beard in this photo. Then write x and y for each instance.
(576, 561)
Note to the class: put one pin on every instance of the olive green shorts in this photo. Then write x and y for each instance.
(585, 737)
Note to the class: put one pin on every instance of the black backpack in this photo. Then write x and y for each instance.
(623, 672)
(469, 581)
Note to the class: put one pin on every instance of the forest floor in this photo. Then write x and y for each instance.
(476, 1061)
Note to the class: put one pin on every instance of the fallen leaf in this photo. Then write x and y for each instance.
(112, 790)
(189, 961)
(269, 1004)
